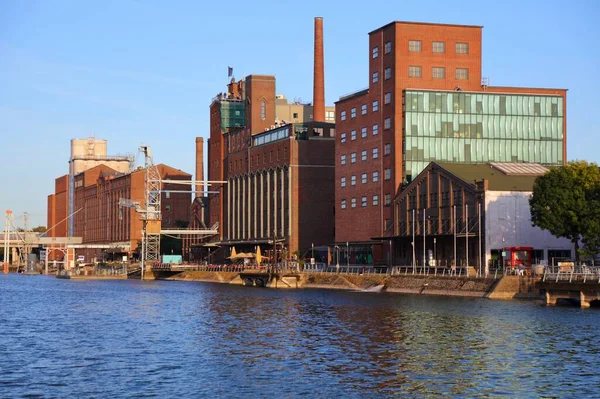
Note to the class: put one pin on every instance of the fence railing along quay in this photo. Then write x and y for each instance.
(575, 274)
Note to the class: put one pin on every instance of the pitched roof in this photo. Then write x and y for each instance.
(493, 173)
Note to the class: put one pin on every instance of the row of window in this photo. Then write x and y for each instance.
(387, 124)
(363, 154)
(415, 46)
(364, 178)
(415, 71)
(387, 175)
(363, 201)
(387, 74)
(363, 133)
(387, 49)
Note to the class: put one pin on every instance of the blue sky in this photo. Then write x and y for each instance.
(144, 71)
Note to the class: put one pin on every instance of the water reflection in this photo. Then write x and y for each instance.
(165, 339)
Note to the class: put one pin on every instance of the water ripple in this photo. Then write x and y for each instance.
(137, 339)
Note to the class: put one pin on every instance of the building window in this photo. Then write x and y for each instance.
(439, 72)
(388, 174)
(363, 132)
(462, 74)
(439, 47)
(343, 182)
(375, 77)
(387, 73)
(353, 135)
(167, 195)
(363, 201)
(387, 149)
(353, 113)
(353, 202)
(343, 204)
(263, 110)
(414, 46)
(387, 123)
(353, 157)
(168, 208)
(364, 178)
(414, 71)
(363, 155)
(330, 116)
(375, 177)
(363, 109)
(343, 159)
(375, 153)
(375, 200)
(353, 180)
(375, 130)
(388, 47)
(462, 48)
(343, 115)
(387, 98)
(295, 115)
(388, 199)
(343, 137)
(375, 52)
(375, 106)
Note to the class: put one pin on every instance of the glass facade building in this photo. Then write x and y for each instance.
(483, 127)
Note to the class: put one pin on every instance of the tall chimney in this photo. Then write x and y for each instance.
(199, 167)
(319, 74)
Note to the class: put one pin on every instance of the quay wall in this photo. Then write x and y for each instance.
(506, 287)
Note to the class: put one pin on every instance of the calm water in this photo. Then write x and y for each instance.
(61, 338)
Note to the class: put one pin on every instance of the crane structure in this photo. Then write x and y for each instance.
(150, 212)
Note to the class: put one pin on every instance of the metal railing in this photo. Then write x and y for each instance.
(574, 274)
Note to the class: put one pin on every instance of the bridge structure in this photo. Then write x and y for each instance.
(580, 284)
(17, 245)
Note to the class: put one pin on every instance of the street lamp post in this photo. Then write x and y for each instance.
(435, 251)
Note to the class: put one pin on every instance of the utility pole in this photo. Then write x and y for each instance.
(25, 245)
(467, 234)
(424, 240)
(414, 260)
(454, 232)
(7, 223)
(479, 224)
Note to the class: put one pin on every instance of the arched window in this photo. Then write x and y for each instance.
(263, 110)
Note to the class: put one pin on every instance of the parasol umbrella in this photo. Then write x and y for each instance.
(232, 255)
(258, 256)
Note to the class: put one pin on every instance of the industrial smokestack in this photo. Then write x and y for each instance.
(199, 166)
(319, 74)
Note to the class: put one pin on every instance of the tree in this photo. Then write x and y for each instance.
(39, 229)
(565, 202)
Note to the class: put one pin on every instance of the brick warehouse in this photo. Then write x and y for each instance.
(279, 172)
(427, 101)
(108, 230)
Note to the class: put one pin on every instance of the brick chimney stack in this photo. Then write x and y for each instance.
(319, 74)
(199, 166)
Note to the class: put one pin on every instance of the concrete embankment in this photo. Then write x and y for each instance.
(516, 287)
(429, 285)
(506, 287)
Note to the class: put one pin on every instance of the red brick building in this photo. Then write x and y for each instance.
(58, 204)
(279, 174)
(426, 101)
(107, 229)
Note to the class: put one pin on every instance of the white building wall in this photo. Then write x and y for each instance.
(508, 224)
